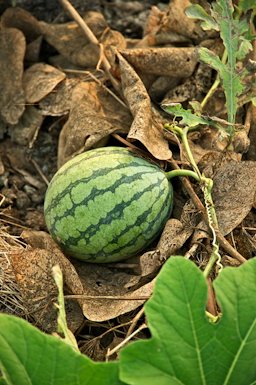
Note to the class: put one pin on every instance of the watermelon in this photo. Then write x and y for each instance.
(107, 204)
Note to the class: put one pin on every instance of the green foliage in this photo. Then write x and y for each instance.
(185, 348)
(246, 5)
(234, 32)
(30, 357)
(188, 117)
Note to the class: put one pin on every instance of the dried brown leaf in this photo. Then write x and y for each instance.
(12, 48)
(58, 102)
(170, 61)
(174, 236)
(233, 193)
(25, 131)
(33, 272)
(93, 116)
(145, 127)
(73, 44)
(42, 240)
(176, 21)
(21, 19)
(99, 280)
(39, 80)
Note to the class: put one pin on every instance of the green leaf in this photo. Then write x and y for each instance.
(185, 348)
(231, 82)
(244, 48)
(230, 32)
(30, 357)
(195, 11)
(188, 118)
(235, 335)
(245, 5)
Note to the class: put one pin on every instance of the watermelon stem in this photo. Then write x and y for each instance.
(206, 186)
(174, 173)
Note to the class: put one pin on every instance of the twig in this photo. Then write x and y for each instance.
(89, 34)
(134, 322)
(124, 342)
(40, 172)
(112, 297)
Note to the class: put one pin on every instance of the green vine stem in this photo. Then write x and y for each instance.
(215, 84)
(206, 186)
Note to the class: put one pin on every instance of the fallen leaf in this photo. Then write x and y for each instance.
(42, 240)
(94, 114)
(15, 17)
(58, 102)
(176, 22)
(39, 80)
(73, 44)
(12, 48)
(174, 235)
(26, 130)
(233, 193)
(99, 280)
(166, 61)
(144, 128)
(33, 271)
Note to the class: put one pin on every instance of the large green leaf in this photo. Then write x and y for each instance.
(185, 348)
(30, 357)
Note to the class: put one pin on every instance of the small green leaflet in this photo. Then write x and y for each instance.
(188, 117)
(245, 5)
(195, 11)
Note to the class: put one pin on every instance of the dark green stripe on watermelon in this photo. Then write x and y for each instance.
(107, 205)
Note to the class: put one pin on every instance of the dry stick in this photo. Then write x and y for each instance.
(221, 239)
(115, 298)
(89, 34)
(134, 322)
(124, 342)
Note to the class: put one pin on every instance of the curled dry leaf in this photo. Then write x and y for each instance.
(33, 272)
(25, 131)
(94, 114)
(144, 128)
(39, 80)
(58, 102)
(233, 193)
(175, 22)
(174, 236)
(99, 280)
(12, 48)
(42, 240)
(15, 17)
(167, 61)
(70, 41)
